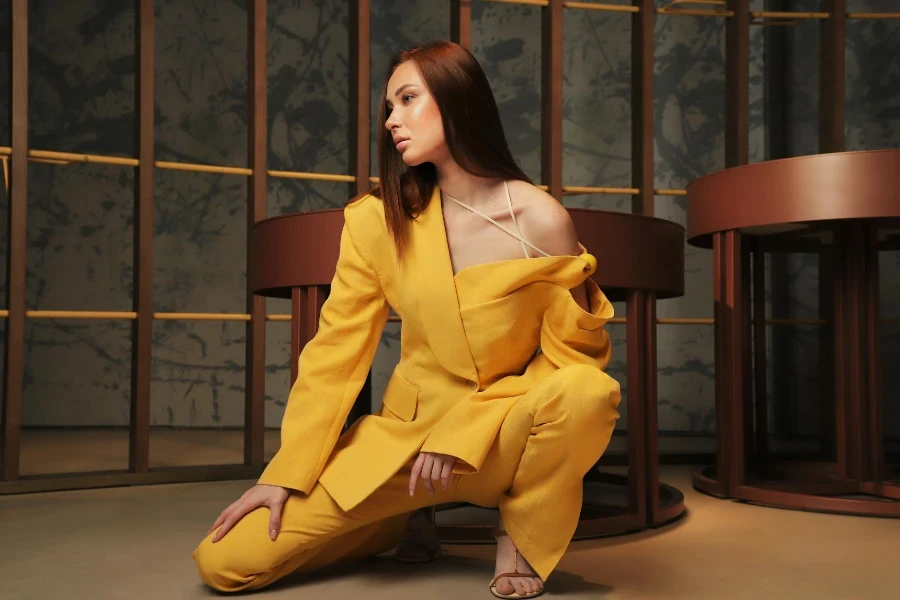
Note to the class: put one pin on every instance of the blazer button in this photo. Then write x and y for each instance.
(472, 384)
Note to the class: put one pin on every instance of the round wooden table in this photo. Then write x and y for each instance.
(843, 206)
(640, 259)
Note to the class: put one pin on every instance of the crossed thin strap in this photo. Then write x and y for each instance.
(518, 236)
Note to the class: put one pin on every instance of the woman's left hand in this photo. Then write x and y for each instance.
(431, 466)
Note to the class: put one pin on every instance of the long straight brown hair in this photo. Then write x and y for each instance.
(472, 129)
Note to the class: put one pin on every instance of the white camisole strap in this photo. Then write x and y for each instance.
(518, 236)
(516, 223)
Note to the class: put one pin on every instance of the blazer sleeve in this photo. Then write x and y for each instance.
(571, 335)
(332, 369)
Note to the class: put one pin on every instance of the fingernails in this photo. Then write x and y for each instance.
(273, 534)
(412, 493)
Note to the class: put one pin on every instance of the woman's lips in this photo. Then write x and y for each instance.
(402, 144)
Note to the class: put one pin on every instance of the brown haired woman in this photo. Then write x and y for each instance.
(499, 398)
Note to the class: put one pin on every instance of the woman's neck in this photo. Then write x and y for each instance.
(455, 182)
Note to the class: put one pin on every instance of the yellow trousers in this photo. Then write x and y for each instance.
(549, 440)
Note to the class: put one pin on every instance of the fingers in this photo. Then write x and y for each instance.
(427, 468)
(439, 463)
(446, 473)
(414, 476)
(275, 509)
(233, 517)
(225, 513)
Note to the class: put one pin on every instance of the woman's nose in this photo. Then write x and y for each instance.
(392, 121)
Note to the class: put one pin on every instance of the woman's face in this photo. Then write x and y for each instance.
(413, 118)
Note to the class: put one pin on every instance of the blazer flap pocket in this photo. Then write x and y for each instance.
(401, 398)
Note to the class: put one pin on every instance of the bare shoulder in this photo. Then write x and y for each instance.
(544, 221)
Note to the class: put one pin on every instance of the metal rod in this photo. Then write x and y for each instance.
(571, 190)
(874, 15)
(687, 12)
(176, 166)
(68, 158)
(165, 316)
(313, 176)
(769, 14)
(174, 316)
(523, 2)
(601, 7)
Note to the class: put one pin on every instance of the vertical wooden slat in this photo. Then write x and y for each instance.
(14, 364)
(832, 76)
(874, 412)
(551, 97)
(636, 398)
(642, 309)
(832, 86)
(734, 330)
(730, 321)
(720, 343)
(257, 188)
(840, 356)
(461, 22)
(651, 418)
(360, 81)
(760, 387)
(642, 107)
(737, 84)
(360, 42)
(142, 298)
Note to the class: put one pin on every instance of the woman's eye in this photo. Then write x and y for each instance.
(406, 98)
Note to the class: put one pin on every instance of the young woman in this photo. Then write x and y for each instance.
(499, 398)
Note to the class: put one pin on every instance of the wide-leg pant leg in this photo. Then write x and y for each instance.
(552, 436)
(533, 472)
(315, 532)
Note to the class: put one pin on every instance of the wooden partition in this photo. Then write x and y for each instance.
(16, 158)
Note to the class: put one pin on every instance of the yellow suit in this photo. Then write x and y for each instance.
(473, 346)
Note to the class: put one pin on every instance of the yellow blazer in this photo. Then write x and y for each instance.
(471, 344)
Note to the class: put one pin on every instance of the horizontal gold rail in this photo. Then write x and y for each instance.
(313, 176)
(175, 166)
(688, 12)
(861, 15)
(161, 316)
(602, 7)
(669, 192)
(523, 2)
(580, 189)
(79, 314)
(201, 317)
(67, 158)
(709, 321)
(768, 14)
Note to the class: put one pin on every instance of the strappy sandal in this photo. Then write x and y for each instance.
(498, 533)
(410, 551)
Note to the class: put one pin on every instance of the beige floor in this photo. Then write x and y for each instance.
(135, 544)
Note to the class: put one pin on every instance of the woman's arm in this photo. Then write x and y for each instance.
(332, 369)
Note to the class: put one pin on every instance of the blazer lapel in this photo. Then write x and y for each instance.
(438, 305)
